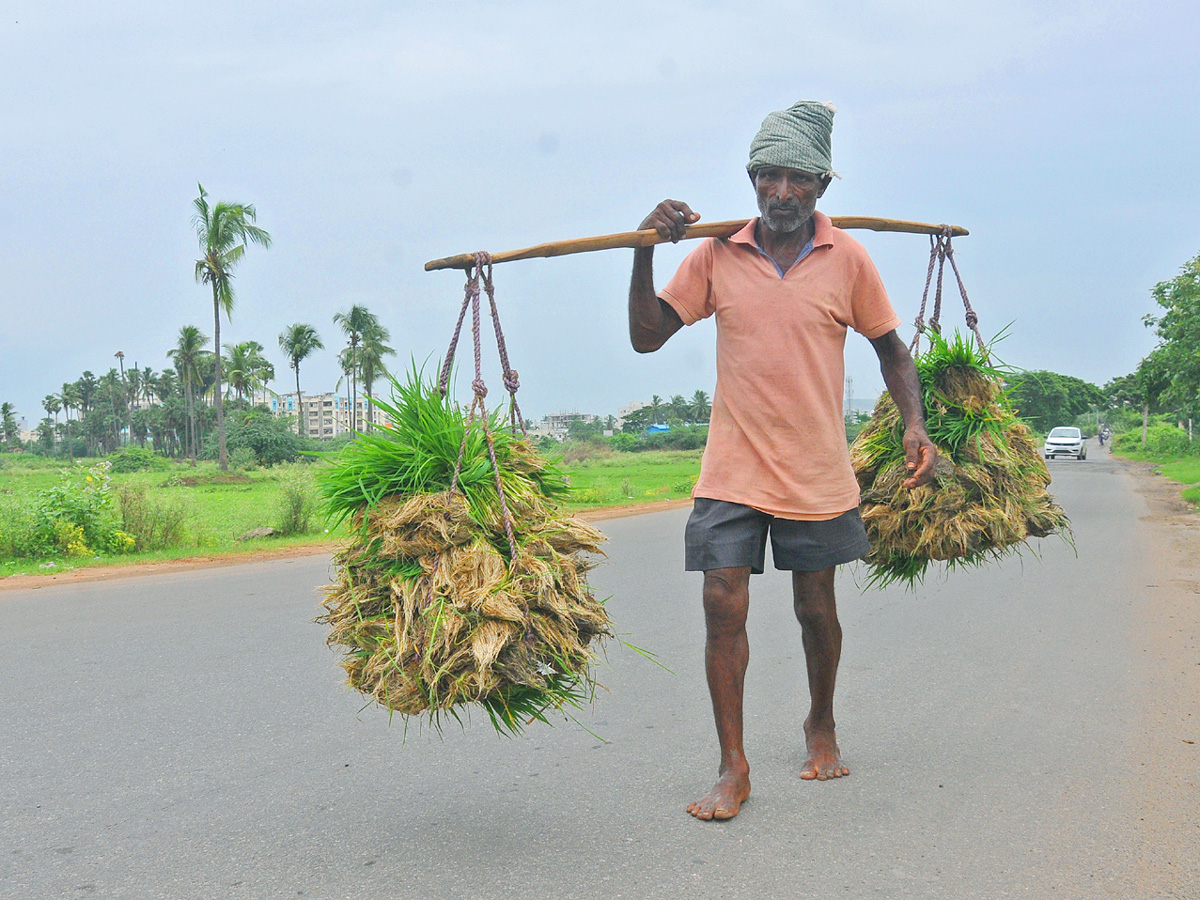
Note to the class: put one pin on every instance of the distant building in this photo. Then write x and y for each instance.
(326, 415)
(556, 425)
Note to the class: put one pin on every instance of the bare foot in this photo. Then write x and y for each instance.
(725, 799)
(824, 758)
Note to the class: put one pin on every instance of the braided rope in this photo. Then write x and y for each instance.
(941, 249)
(511, 382)
(483, 263)
(919, 322)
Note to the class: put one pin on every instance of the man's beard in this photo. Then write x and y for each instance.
(788, 223)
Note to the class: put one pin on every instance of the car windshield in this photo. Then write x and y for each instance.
(1064, 433)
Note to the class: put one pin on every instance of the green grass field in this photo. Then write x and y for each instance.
(1185, 470)
(218, 508)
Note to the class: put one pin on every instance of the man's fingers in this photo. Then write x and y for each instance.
(921, 461)
(670, 219)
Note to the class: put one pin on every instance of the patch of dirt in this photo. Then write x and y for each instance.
(318, 548)
(196, 480)
(1167, 782)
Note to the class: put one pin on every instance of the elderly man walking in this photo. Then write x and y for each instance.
(783, 291)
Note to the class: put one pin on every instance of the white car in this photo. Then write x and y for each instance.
(1065, 441)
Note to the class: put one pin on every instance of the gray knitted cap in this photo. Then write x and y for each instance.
(795, 138)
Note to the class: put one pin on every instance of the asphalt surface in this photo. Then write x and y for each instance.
(190, 736)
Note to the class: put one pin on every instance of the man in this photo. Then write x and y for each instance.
(783, 290)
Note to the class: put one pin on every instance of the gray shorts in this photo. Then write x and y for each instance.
(723, 535)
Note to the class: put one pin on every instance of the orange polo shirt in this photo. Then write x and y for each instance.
(777, 439)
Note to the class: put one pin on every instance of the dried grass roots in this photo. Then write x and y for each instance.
(466, 627)
(990, 492)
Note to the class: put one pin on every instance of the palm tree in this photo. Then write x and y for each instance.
(223, 230)
(52, 404)
(147, 382)
(354, 323)
(113, 386)
(86, 388)
(701, 408)
(656, 405)
(187, 355)
(346, 363)
(70, 398)
(262, 369)
(298, 341)
(371, 352)
(678, 407)
(8, 424)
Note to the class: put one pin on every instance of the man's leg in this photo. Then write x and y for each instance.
(726, 655)
(822, 633)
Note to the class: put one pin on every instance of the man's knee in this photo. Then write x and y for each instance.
(726, 598)
(813, 596)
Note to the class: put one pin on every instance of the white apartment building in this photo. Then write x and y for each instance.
(327, 415)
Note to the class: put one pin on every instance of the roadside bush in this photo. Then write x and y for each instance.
(297, 501)
(623, 442)
(1162, 441)
(16, 530)
(75, 517)
(135, 459)
(242, 459)
(271, 439)
(686, 438)
(152, 526)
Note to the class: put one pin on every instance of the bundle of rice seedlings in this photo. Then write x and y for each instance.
(432, 607)
(989, 494)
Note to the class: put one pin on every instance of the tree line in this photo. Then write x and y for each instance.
(178, 409)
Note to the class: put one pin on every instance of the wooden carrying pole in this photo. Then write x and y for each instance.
(650, 237)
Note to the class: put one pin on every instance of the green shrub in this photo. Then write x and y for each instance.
(17, 538)
(1162, 441)
(150, 525)
(75, 516)
(135, 459)
(243, 459)
(297, 501)
(271, 439)
(623, 442)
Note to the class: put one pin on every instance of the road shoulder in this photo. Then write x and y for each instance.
(1167, 777)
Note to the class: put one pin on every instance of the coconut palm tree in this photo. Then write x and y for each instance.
(347, 363)
(52, 404)
(9, 429)
(298, 341)
(656, 407)
(70, 401)
(372, 349)
(224, 230)
(354, 323)
(86, 390)
(187, 354)
(701, 407)
(248, 370)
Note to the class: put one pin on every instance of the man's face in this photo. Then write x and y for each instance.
(787, 198)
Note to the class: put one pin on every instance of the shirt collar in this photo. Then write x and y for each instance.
(822, 232)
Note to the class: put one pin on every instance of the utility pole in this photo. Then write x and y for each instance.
(120, 355)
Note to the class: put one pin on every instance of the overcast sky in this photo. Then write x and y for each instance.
(373, 136)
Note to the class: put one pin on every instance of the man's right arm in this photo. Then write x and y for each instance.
(652, 320)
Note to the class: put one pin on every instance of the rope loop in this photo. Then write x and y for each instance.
(479, 275)
(941, 249)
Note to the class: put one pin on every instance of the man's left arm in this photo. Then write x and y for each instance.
(900, 376)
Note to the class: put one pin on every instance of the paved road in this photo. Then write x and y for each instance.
(189, 736)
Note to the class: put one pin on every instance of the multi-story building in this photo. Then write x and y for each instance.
(326, 415)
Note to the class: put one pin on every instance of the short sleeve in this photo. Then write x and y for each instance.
(871, 312)
(689, 292)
